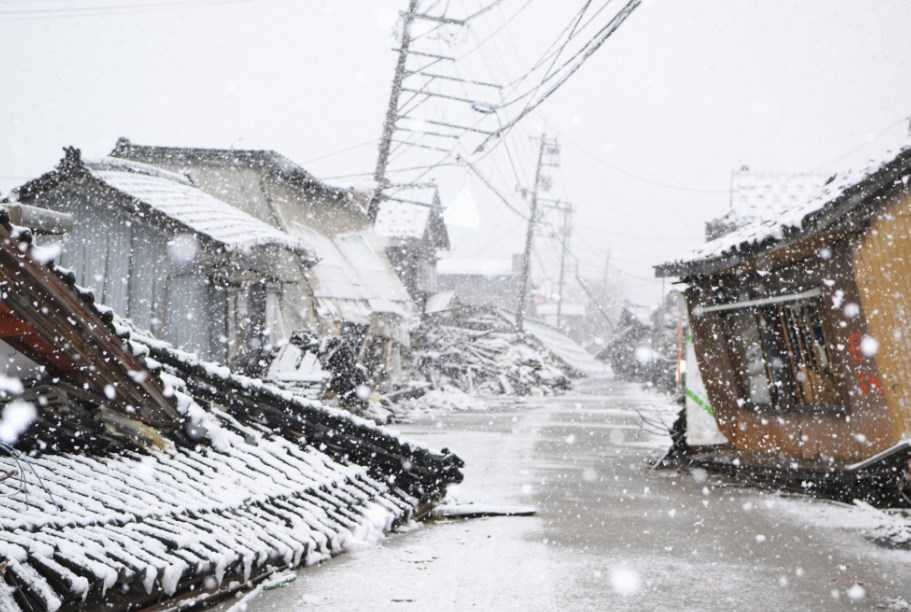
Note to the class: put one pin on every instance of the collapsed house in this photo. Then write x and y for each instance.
(136, 474)
(410, 220)
(476, 350)
(801, 333)
(352, 290)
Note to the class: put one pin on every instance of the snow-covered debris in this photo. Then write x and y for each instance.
(479, 352)
(575, 357)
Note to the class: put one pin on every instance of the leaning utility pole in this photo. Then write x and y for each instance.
(567, 212)
(379, 174)
(529, 236)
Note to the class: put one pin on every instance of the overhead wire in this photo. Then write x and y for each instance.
(56, 13)
(588, 50)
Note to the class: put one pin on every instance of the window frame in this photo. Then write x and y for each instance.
(790, 329)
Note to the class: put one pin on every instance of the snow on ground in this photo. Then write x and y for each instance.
(610, 533)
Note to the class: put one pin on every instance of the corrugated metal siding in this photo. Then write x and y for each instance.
(195, 315)
(149, 266)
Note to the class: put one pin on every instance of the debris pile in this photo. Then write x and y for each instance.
(477, 351)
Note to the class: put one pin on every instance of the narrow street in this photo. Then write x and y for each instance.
(610, 533)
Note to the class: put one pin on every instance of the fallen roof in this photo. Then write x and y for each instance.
(562, 346)
(352, 280)
(841, 194)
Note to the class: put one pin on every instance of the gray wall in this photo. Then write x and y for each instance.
(125, 261)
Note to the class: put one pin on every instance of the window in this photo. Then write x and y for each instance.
(780, 354)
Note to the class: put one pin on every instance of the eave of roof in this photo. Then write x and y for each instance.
(271, 162)
(823, 215)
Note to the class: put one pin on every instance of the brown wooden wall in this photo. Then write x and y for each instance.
(866, 425)
(883, 262)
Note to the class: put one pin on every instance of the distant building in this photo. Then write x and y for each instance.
(759, 195)
(411, 222)
(479, 281)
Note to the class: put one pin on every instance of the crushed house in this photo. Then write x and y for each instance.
(411, 222)
(178, 262)
(355, 290)
(801, 323)
(155, 478)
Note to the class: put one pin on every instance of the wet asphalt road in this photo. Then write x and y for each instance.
(610, 534)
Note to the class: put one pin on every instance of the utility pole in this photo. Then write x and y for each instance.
(547, 145)
(567, 212)
(392, 110)
(606, 269)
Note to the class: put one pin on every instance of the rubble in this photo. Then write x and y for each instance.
(477, 351)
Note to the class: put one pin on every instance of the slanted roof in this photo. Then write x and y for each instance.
(176, 198)
(352, 280)
(403, 220)
(841, 194)
(757, 195)
(413, 213)
(270, 162)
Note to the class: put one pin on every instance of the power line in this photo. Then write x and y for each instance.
(109, 9)
(340, 151)
(587, 51)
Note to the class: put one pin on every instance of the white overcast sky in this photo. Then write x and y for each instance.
(650, 127)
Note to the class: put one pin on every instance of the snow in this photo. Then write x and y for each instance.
(46, 254)
(400, 219)
(448, 399)
(561, 345)
(475, 266)
(17, 416)
(199, 212)
(772, 224)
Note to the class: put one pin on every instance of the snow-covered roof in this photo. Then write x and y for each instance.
(474, 266)
(159, 506)
(402, 220)
(758, 195)
(352, 280)
(174, 196)
(562, 346)
(439, 302)
(778, 223)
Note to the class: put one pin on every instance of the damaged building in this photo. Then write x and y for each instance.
(137, 474)
(800, 325)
